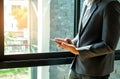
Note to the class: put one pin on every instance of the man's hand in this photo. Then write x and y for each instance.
(66, 44)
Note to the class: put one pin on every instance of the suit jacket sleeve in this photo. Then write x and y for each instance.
(110, 33)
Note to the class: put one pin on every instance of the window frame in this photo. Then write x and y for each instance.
(38, 59)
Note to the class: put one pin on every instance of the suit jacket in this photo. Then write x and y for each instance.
(97, 41)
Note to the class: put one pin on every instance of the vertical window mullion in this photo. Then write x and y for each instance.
(1, 28)
(76, 16)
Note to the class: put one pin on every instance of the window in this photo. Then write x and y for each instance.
(34, 24)
(28, 27)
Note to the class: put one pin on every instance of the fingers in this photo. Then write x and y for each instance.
(64, 46)
(68, 41)
(63, 43)
(60, 46)
(59, 40)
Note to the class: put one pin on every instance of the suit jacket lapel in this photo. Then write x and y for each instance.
(92, 10)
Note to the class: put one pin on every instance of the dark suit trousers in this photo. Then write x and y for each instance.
(73, 75)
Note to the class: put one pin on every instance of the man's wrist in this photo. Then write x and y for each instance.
(75, 51)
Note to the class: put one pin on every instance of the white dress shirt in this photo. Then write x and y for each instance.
(88, 4)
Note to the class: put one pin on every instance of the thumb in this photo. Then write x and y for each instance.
(68, 40)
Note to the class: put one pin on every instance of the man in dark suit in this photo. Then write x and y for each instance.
(94, 45)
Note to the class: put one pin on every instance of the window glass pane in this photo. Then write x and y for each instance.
(15, 73)
(16, 27)
(45, 72)
(31, 24)
(116, 73)
(118, 46)
(53, 72)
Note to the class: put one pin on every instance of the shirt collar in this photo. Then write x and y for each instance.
(88, 2)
